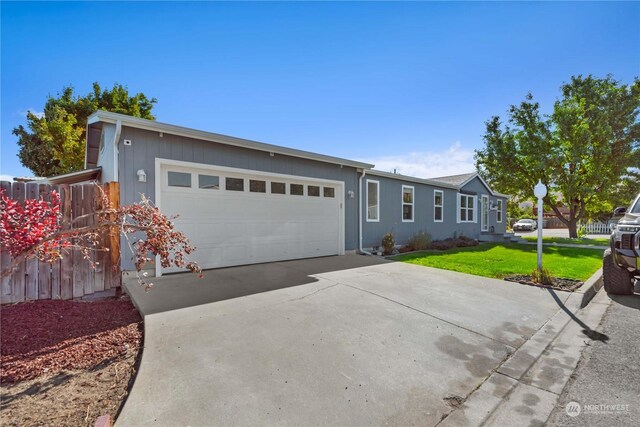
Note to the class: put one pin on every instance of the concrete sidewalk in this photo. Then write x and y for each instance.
(390, 343)
(526, 388)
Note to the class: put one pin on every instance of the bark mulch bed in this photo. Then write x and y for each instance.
(66, 362)
(559, 283)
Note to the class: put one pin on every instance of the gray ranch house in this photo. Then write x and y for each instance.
(244, 202)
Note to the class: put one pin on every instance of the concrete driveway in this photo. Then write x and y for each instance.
(346, 340)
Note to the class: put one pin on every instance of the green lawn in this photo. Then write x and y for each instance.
(599, 241)
(500, 260)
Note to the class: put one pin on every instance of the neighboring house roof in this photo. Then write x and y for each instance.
(76, 177)
(411, 179)
(136, 122)
(463, 179)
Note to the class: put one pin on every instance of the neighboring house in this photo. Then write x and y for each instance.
(244, 202)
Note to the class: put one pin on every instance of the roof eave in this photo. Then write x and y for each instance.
(411, 179)
(139, 123)
(75, 177)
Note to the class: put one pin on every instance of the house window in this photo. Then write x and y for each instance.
(257, 186)
(210, 182)
(466, 208)
(234, 184)
(407, 203)
(329, 192)
(499, 212)
(373, 197)
(313, 190)
(179, 179)
(278, 188)
(296, 189)
(438, 205)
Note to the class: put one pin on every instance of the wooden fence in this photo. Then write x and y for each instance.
(73, 276)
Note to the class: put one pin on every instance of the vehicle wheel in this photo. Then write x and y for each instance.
(616, 280)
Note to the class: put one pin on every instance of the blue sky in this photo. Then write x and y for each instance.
(402, 85)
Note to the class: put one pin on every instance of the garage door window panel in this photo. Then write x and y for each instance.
(209, 182)
(234, 184)
(296, 190)
(278, 188)
(257, 186)
(313, 190)
(329, 192)
(179, 179)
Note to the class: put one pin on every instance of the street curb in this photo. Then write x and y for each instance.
(499, 388)
(590, 288)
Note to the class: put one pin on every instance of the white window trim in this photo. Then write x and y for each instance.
(484, 225)
(441, 206)
(413, 202)
(474, 208)
(377, 199)
(499, 213)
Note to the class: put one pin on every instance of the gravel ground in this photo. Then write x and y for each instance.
(606, 383)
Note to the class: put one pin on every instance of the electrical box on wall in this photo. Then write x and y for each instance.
(127, 142)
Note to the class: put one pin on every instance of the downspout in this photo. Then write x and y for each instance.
(116, 138)
(362, 251)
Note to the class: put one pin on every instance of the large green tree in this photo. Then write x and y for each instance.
(587, 151)
(54, 142)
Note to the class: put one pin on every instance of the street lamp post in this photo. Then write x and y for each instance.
(540, 190)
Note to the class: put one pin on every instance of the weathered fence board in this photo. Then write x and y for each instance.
(73, 276)
(18, 278)
(66, 264)
(31, 275)
(44, 268)
(5, 258)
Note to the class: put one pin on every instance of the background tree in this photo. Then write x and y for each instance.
(587, 151)
(54, 143)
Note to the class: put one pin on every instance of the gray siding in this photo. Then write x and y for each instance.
(148, 145)
(391, 212)
(476, 186)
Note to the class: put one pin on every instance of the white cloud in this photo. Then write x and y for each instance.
(4, 177)
(38, 114)
(452, 161)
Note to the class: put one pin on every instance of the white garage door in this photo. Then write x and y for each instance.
(238, 216)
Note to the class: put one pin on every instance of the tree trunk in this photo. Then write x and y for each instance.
(573, 229)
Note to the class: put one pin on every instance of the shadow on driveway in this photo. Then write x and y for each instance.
(181, 290)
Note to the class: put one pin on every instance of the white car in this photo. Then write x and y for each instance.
(525, 225)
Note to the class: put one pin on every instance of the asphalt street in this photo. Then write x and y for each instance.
(605, 388)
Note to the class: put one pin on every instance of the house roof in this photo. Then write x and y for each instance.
(76, 177)
(463, 179)
(411, 179)
(136, 122)
(457, 180)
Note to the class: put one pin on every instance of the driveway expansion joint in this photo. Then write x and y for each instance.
(313, 293)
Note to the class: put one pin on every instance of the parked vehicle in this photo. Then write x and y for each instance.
(525, 225)
(621, 263)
